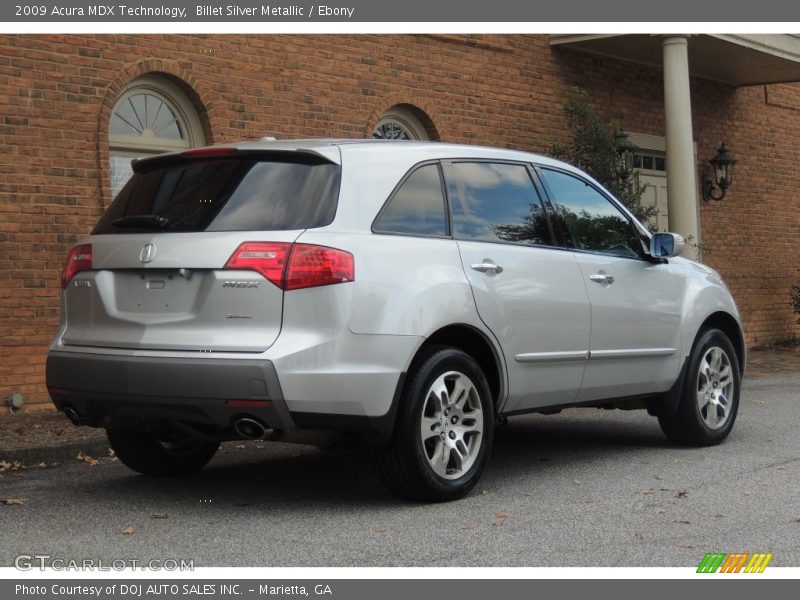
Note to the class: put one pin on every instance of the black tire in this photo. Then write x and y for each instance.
(145, 453)
(405, 464)
(689, 425)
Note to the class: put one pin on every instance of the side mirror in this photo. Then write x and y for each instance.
(666, 245)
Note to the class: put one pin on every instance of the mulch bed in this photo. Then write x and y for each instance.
(41, 428)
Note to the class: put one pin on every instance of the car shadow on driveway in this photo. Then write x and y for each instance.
(586, 428)
(264, 474)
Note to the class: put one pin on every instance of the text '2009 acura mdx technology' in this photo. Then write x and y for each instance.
(408, 295)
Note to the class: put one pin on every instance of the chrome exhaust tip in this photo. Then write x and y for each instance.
(72, 415)
(249, 429)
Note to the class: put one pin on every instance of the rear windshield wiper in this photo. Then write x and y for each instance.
(142, 221)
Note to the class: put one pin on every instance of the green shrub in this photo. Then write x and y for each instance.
(594, 148)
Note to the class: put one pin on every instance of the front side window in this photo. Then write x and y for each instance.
(495, 202)
(592, 222)
(417, 206)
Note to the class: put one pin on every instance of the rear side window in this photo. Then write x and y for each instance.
(495, 202)
(225, 194)
(417, 206)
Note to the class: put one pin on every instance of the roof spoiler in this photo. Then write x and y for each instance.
(328, 154)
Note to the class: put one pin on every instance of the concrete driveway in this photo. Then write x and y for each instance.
(583, 488)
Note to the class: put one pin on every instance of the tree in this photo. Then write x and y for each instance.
(594, 148)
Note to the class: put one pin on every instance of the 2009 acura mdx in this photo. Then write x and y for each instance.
(408, 294)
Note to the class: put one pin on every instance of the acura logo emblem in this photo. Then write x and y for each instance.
(147, 253)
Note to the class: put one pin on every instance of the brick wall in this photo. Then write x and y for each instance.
(57, 92)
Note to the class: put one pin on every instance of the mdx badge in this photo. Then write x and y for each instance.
(240, 284)
(147, 253)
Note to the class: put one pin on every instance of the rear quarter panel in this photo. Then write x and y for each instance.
(404, 285)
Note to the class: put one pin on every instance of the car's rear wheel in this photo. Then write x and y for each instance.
(444, 429)
(152, 454)
(710, 397)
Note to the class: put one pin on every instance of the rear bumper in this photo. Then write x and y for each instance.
(207, 394)
(133, 392)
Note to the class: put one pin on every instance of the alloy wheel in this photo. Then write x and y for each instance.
(715, 388)
(451, 425)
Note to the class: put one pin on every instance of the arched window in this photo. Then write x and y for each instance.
(151, 116)
(400, 123)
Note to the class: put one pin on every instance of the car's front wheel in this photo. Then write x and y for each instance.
(151, 454)
(444, 429)
(710, 397)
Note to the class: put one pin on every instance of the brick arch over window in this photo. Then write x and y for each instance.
(193, 90)
(421, 111)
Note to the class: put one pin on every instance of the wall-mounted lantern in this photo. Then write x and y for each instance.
(723, 164)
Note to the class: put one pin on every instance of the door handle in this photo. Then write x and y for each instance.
(602, 277)
(487, 266)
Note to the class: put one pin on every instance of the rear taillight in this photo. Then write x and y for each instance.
(294, 266)
(312, 266)
(267, 258)
(79, 259)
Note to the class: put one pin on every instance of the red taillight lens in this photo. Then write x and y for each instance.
(308, 265)
(79, 259)
(267, 258)
(312, 266)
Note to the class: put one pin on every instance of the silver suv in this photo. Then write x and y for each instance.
(407, 295)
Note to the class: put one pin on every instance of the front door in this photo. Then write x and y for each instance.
(636, 312)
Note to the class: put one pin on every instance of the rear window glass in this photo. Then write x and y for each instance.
(225, 194)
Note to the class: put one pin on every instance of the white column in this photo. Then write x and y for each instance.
(681, 179)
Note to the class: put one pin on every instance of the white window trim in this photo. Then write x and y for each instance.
(176, 99)
(407, 120)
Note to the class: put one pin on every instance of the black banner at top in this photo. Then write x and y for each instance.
(413, 11)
